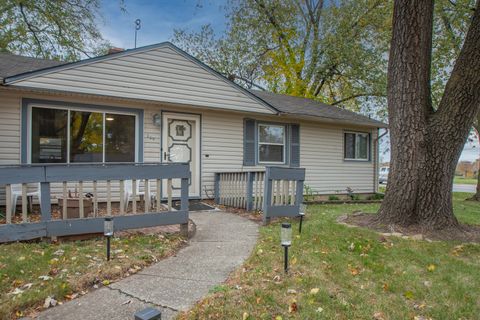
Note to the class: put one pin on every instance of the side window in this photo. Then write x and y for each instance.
(356, 146)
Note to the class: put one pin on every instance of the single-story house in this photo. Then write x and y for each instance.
(159, 104)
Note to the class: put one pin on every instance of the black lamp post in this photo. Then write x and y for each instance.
(286, 241)
(108, 232)
(303, 209)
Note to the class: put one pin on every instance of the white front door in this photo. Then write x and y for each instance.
(181, 143)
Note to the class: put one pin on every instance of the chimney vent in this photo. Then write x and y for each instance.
(115, 50)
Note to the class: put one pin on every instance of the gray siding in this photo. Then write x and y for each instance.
(159, 74)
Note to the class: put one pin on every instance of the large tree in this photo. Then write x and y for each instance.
(333, 51)
(426, 143)
(53, 29)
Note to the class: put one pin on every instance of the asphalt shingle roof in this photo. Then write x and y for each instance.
(12, 65)
(308, 107)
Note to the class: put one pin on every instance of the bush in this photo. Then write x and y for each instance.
(333, 198)
(355, 197)
(377, 196)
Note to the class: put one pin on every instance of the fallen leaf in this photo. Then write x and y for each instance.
(294, 260)
(378, 316)
(354, 271)
(408, 294)
(278, 318)
(431, 267)
(27, 286)
(45, 278)
(21, 258)
(319, 309)
(385, 287)
(245, 316)
(293, 307)
(17, 291)
(105, 282)
(314, 291)
(292, 291)
(126, 302)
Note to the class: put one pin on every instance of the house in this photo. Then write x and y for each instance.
(157, 103)
(467, 169)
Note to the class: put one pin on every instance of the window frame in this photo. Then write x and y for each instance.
(356, 133)
(284, 144)
(69, 107)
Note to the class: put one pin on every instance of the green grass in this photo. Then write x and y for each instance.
(357, 274)
(460, 180)
(81, 265)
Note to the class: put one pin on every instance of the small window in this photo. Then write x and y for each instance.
(356, 146)
(271, 143)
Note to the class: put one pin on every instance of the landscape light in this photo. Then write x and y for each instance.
(286, 241)
(108, 232)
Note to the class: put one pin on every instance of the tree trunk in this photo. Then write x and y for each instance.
(426, 144)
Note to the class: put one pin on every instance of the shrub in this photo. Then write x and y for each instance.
(377, 196)
(333, 198)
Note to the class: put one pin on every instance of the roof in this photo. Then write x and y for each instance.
(16, 67)
(311, 108)
(11, 65)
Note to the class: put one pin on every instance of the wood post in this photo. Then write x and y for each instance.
(184, 205)
(64, 201)
(45, 205)
(8, 200)
(24, 202)
(216, 187)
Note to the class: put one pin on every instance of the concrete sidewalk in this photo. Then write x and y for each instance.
(221, 244)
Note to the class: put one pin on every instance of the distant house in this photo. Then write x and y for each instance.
(159, 104)
(467, 169)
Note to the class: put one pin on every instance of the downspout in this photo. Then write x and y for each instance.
(376, 158)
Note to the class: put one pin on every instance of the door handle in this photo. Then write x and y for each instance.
(166, 156)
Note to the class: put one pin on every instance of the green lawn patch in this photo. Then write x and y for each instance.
(460, 180)
(31, 272)
(339, 272)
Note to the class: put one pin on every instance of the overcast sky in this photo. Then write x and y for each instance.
(159, 19)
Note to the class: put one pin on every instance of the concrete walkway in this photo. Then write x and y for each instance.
(221, 244)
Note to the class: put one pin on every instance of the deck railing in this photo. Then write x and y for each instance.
(87, 178)
(277, 191)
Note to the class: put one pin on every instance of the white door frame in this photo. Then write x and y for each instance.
(194, 171)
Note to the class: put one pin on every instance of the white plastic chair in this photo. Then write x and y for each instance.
(17, 193)
(128, 192)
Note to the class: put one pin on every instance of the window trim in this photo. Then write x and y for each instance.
(284, 144)
(26, 135)
(367, 159)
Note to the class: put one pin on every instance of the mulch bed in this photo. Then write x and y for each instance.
(255, 216)
(464, 233)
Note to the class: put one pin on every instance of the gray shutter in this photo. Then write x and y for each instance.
(294, 145)
(249, 142)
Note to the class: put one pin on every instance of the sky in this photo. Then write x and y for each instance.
(160, 17)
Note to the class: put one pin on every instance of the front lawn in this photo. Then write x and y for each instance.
(31, 272)
(351, 273)
(461, 180)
